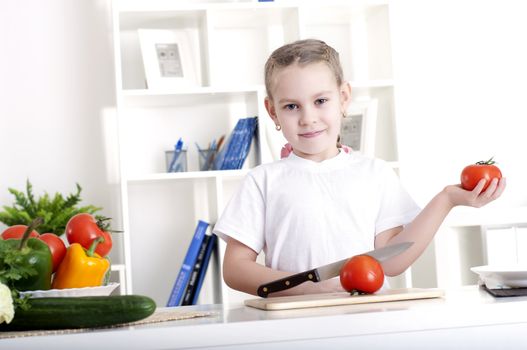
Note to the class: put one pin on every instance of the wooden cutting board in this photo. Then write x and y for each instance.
(341, 298)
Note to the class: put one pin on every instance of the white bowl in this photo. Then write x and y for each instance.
(72, 292)
(505, 276)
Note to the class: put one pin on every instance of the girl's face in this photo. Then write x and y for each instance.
(308, 104)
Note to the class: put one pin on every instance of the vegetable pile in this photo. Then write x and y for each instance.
(31, 261)
(83, 263)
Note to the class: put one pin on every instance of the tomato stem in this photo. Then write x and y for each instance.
(487, 162)
(104, 224)
(33, 225)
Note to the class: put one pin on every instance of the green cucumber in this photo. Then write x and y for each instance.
(81, 312)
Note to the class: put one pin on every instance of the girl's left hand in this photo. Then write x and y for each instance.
(476, 198)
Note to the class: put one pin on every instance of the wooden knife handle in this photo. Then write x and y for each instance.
(288, 282)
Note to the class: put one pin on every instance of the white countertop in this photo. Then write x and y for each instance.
(464, 318)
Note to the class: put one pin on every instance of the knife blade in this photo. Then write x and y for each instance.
(325, 272)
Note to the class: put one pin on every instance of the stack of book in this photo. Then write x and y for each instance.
(192, 272)
(235, 151)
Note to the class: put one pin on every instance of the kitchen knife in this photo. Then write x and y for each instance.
(328, 271)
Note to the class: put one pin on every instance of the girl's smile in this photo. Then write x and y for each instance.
(311, 134)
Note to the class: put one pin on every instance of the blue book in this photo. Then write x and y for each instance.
(211, 245)
(231, 159)
(188, 264)
(250, 130)
(193, 281)
(222, 159)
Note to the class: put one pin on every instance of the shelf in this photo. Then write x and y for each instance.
(154, 120)
(235, 90)
(216, 31)
(204, 90)
(190, 97)
(183, 17)
(359, 33)
(229, 42)
(490, 215)
(190, 175)
(120, 271)
(117, 267)
(170, 5)
(258, 32)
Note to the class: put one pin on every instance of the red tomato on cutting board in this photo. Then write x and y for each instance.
(472, 174)
(362, 273)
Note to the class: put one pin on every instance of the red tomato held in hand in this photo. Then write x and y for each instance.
(83, 229)
(363, 274)
(56, 246)
(17, 231)
(471, 175)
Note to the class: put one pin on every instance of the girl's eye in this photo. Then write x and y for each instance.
(320, 101)
(291, 107)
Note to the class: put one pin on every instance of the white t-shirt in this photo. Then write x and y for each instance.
(304, 214)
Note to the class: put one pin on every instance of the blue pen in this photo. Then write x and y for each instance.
(177, 152)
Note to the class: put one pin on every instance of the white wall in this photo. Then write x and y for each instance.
(461, 73)
(461, 84)
(56, 81)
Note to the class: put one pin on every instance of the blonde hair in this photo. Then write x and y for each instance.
(302, 52)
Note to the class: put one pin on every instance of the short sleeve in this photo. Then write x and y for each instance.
(243, 217)
(396, 206)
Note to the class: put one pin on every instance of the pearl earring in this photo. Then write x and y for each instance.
(278, 127)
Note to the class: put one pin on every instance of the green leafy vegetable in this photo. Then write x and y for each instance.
(56, 210)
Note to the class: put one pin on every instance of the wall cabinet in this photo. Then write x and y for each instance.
(229, 43)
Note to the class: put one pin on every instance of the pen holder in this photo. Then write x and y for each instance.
(176, 162)
(206, 157)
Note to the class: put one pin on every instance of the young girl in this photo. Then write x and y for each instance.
(321, 204)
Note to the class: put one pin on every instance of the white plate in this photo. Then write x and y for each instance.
(512, 276)
(72, 292)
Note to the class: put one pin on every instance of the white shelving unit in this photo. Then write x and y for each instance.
(230, 42)
(472, 237)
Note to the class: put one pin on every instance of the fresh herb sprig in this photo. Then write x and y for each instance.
(11, 270)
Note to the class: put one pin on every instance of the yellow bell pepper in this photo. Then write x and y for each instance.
(81, 268)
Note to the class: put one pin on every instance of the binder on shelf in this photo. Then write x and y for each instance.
(252, 124)
(191, 286)
(185, 271)
(200, 270)
(234, 150)
(223, 156)
(237, 148)
(211, 247)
